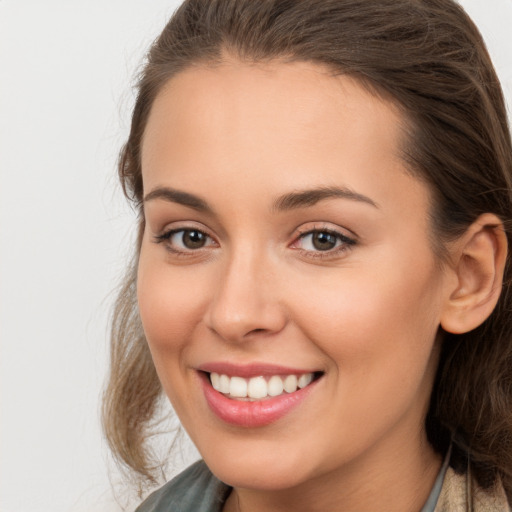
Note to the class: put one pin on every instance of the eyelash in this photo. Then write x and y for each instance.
(343, 242)
(167, 235)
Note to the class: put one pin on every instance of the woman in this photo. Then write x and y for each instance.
(320, 285)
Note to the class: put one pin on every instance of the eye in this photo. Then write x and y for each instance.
(183, 240)
(320, 241)
(323, 241)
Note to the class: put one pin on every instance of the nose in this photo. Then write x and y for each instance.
(245, 304)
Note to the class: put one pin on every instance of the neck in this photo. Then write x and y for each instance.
(399, 480)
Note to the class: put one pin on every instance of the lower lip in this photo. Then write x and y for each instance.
(252, 414)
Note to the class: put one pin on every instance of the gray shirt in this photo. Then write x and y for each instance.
(197, 490)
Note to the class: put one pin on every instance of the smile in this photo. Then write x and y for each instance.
(256, 395)
(258, 388)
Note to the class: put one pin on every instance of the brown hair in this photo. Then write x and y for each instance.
(428, 56)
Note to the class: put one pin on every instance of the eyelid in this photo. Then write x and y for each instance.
(347, 238)
(165, 235)
(185, 225)
(315, 227)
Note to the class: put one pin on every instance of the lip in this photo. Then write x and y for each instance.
(251, 370)
(253, 414)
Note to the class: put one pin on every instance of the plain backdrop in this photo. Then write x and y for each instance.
(66, 70)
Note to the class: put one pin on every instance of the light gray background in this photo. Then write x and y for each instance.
(66, 67)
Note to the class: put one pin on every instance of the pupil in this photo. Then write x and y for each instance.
(193, 239)
(324, 241)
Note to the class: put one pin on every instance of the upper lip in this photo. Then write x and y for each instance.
(255, 369)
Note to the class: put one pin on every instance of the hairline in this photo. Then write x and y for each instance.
(408, 126)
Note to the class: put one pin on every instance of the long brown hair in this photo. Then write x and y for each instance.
(430, 59)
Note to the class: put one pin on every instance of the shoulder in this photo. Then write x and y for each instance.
(193, 490)
(460, 493)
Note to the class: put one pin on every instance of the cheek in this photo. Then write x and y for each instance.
(170, 305)
(373, 321)
(378, 334)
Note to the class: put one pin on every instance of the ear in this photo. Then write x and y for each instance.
(478, 259)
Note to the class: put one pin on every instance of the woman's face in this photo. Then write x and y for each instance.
(285, 241)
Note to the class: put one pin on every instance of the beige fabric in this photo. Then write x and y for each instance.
(460, 493)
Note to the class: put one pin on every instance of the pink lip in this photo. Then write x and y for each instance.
(252, 414)
(250, 370)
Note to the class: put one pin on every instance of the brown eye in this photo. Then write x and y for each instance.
(193, 239)
(323, 241)
(185, 240)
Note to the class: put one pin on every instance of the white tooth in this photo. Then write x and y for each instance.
(257, 388)
(224, 384)
(304, 380)
(290, 384)
(275, 386)
(238, 387)
(214, 378)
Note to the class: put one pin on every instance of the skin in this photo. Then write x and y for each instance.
(239, 136)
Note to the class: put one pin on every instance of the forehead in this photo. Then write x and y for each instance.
(267, 128)
(287, 101)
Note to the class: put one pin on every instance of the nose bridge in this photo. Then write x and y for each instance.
(245, 300)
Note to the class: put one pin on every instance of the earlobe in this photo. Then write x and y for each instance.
(479, 259)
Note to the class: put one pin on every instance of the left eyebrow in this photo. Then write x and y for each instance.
(305, 198)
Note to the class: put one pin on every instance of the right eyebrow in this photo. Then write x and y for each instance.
(178, 196)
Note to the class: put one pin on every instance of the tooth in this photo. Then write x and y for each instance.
(214, 378)
(257, 388)
(238, 387)
(304, 380)
(290, 384)
(224, 384)
(275, 386)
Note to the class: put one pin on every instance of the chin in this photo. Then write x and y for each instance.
(251, 475)
(260, 466)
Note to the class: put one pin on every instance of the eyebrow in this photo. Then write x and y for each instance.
(305, 198)
(178, 196)
(290, 201)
